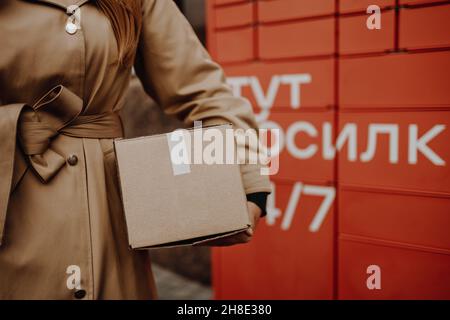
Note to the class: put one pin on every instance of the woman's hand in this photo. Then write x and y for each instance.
(242, 237)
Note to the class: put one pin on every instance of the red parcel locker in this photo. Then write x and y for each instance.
(280, 10)
(355, 37)
(393, 215)
(210, 28)
(272, 83)
(420, 220)
(346, 6)
(418, 2)
(233, 16)
(415, 80)
(226, 2)
(235, 45)
(295, 118)
(301, 154)
(423, 28)
(406, 165)
(285, 260)
(297, 39)
(403, 273)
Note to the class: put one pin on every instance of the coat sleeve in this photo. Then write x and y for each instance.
(177, 71)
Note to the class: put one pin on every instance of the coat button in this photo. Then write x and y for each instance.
(71, 28)
(80, 294)
(72, 159)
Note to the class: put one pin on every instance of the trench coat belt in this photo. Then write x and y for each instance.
(58, 112)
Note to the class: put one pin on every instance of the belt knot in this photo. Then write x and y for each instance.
(58, 112)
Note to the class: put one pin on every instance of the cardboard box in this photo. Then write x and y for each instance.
(170, 204)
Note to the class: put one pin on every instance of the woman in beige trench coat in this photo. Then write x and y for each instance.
(60, 90)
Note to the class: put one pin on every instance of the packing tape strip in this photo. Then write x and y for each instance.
(179, 152)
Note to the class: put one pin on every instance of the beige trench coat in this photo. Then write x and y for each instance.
(60, 210)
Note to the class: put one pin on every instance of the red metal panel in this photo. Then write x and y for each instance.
(292, 166)
(404, 175)
(232, 16)
(361, 5)
(235, 45)
(395, 80)
(226, 2)
(318, 92)
(400, 217)
(425, 27)
(300, 39)
(210, 28)
(279, 10)
(355, 37)
(405, 273)
(280, 264)
(391, 214)
(415, 2)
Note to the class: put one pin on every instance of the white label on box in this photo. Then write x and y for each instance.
(179, 152)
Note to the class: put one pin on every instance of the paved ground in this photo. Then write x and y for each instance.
(174, 287)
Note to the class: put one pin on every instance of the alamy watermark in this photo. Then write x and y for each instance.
(374, 20)
(211, 145)
(373, 282)
(74, 279)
